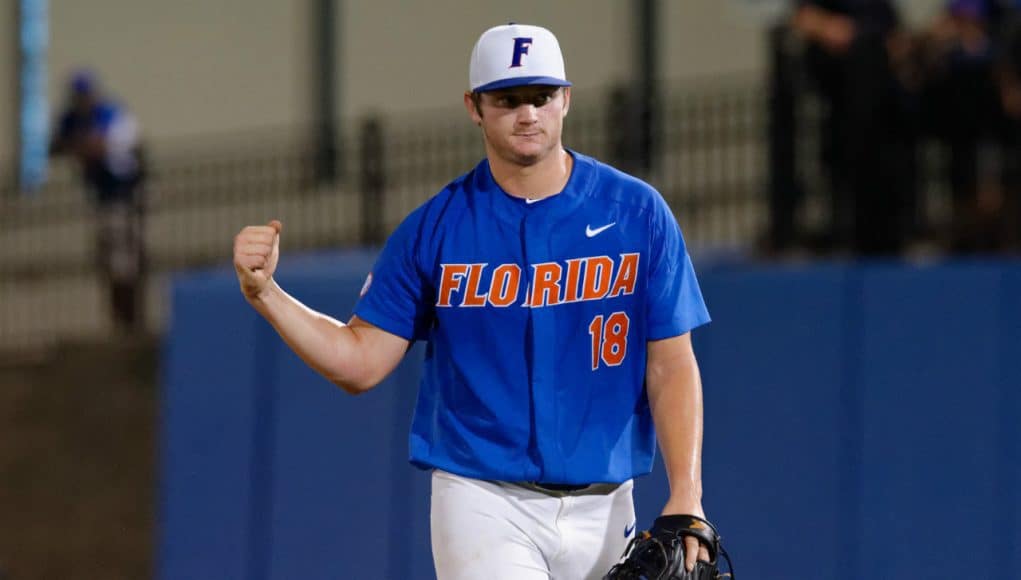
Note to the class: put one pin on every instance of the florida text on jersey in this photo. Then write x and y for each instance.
(536, 317)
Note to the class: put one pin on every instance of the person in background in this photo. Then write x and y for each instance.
(851, 57)
(104, 139)
(1009, 87)
(956, 54)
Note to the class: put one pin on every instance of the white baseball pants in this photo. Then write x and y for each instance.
(501, 531)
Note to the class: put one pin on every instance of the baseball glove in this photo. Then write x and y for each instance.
(658, 554)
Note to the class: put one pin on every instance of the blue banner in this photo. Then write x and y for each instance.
(34, 111)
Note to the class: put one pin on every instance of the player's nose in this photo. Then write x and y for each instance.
(527, 113)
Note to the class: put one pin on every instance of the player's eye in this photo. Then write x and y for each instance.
(542, 99)
(513, 101)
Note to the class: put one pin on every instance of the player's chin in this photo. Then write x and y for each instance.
(529, 153)
(526, 160)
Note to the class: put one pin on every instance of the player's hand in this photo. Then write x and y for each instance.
(256, 251)
(693, 549)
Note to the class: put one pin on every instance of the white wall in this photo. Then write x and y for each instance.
(404, 55)
(201, 67)
(189, 66)
(702, 38)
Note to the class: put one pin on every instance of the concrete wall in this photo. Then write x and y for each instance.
(190, 67)
(708, 37)
(194, 67)
(402, 55)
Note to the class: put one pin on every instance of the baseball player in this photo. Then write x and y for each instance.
(556, 297)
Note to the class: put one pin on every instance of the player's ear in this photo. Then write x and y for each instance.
(567, 100)
(469, 105)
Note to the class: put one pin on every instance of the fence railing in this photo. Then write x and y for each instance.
(709, 158)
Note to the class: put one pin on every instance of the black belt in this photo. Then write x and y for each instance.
(566, 489)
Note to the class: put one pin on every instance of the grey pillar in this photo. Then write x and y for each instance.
(324, 81)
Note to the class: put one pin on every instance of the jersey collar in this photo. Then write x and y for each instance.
(511, 208)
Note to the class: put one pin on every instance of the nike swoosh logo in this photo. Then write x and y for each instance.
(591, 233)
(628, 530)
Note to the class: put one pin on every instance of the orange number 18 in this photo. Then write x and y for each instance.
(609, 341)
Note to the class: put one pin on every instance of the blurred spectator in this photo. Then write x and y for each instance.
(961, 110)
(852, 53)
(104, 139)
(1009, 75)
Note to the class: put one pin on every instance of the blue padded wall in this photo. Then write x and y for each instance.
(930, 380)
(872, 409)
(208, 415)
(774, 457)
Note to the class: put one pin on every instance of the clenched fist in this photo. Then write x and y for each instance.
(256, 251)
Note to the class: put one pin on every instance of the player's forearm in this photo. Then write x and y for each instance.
(675, 396)
(327, 345)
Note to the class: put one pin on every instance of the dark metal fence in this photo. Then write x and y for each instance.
(709, 160)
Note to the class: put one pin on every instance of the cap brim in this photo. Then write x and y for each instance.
(520, 82)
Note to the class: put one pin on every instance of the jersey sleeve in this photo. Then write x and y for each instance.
(397, 294)
(675, 303)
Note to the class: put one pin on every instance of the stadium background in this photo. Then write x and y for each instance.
(860, 431)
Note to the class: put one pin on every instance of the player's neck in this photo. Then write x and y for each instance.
(543, 179)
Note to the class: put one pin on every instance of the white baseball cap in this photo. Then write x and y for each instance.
(516, 54)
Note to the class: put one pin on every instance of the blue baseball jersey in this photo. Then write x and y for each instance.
(536, 317)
